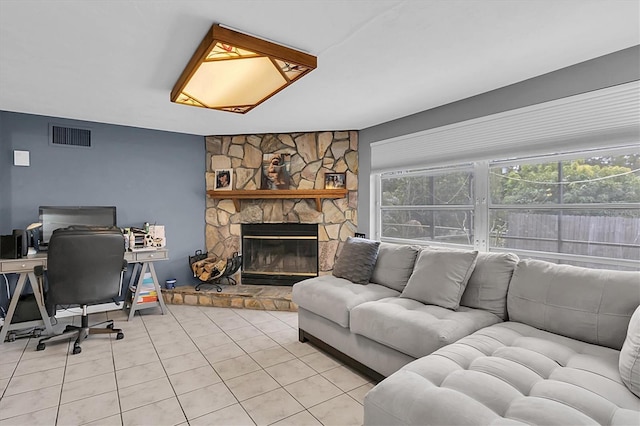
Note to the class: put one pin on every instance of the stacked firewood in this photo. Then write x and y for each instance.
(208, 269)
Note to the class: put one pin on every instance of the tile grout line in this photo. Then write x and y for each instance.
(246, 354)
(64, 373)
(317, 373)
(211, 365)
(115, 376)
(199, 350)
(179, 317)
(15, 368)
(281, 386)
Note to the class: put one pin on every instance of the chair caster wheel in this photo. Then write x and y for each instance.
(40, 347)
(37, 333)
(76, 350)
(11, 337)
(110, 326)
(120, 336)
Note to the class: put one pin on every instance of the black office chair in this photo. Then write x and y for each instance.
(84, 267)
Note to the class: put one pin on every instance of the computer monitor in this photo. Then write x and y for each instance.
(54, 217)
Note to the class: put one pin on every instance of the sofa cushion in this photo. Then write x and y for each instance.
(332, 297)
(356, 260)
(489, 282)
(630, 355)
(440, 276)
(394, 265)
(414, 328)
(506, 374)
(592, 305)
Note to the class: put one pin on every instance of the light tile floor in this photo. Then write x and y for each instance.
(193, 366)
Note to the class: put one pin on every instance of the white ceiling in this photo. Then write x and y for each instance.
(116, 61)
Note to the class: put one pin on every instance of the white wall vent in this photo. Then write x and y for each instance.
(69, 136)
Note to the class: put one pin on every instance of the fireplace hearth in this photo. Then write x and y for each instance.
(279, 253)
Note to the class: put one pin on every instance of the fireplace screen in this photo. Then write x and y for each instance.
(279, 253)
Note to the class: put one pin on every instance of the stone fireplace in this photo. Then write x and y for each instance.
(279, 253)
(312, 155)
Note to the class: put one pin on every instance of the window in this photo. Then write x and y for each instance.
(581, 208)
(433, 205)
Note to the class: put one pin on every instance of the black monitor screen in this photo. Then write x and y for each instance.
(53, 218)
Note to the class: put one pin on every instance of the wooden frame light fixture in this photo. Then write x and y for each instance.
(235, 72)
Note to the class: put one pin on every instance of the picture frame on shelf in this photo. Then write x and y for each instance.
(335, 180)
(224, 180)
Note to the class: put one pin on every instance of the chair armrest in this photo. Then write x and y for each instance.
(124, 265)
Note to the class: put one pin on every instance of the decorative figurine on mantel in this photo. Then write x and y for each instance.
(275, 171)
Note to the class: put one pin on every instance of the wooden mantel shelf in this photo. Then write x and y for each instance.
(262, 194)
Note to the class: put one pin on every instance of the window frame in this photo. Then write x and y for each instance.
(431, 172)
(483, 206)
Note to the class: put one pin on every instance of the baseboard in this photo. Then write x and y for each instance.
(304, 336)
(93, 309)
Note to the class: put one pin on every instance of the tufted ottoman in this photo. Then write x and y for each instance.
(508, 373)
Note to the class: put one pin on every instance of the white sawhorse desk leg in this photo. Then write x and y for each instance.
(14, 303)
(135, 306)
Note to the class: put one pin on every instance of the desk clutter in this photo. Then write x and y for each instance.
(148, 238)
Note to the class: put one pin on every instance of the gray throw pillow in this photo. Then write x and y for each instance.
(356, 260)
(394, 265)
(440, 277)
(629, 363)
(489, 282)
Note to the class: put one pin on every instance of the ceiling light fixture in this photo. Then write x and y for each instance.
(235, 72)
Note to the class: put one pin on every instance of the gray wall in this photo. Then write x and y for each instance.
(606, 71)
(150, 176)
(5, 161)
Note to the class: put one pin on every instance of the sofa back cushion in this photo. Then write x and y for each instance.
(394, 265)
(440, 276)
(488, 284)
(591, 305)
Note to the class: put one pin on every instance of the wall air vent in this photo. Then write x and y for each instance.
(69, 136)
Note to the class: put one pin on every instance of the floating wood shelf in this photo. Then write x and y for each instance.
(262, 194)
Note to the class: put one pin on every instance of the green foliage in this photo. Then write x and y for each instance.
(420, 222)
(422, 200)
(454, 188)
(594, 180)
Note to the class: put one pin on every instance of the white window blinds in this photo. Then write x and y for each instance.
(606, 117)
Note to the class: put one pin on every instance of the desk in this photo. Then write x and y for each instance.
(24, 267)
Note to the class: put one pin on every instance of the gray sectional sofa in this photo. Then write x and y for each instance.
(528, 342)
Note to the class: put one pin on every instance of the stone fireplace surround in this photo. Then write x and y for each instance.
(312, 155)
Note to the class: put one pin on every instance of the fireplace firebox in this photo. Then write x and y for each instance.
(279, 253)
